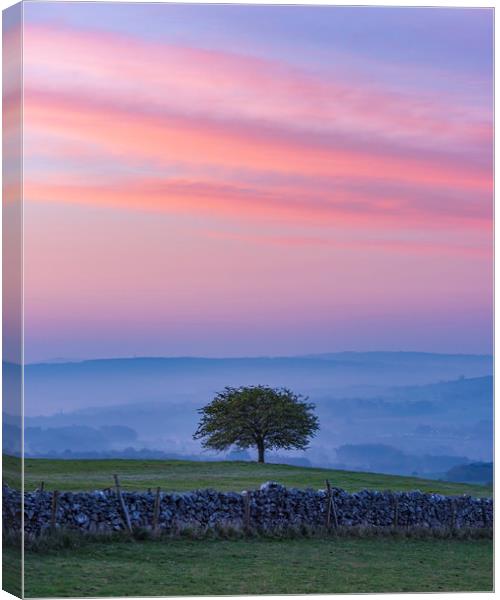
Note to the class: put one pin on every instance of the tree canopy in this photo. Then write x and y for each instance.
(257, 416)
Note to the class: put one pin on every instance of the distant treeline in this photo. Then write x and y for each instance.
(478, 472)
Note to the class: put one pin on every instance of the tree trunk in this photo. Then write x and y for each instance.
(260, 448)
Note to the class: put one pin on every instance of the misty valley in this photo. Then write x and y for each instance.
(389, 412)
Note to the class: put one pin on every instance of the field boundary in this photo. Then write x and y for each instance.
(272, 508)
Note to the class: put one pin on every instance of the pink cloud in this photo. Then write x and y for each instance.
(283, 204)
(170, 139)
(122, 69)
(150, 103)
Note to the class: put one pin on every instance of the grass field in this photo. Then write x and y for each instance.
(258, 566)
(11, 570)
(244, 566)
(73, 475)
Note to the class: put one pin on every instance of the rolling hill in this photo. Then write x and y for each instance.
(73, 475)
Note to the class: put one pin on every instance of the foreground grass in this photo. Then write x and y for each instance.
(175, 475)
(261, 566)
(11, 570)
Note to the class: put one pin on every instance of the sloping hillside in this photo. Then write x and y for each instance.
(187, 475)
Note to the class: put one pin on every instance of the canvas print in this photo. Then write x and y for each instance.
(247, 299)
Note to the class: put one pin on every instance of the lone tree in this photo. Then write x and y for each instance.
(258, 416)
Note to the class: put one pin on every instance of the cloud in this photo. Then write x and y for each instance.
(343, 205)
(402, 157)
(123, 68)
(167, 139)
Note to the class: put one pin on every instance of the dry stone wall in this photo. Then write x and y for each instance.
(269, 508)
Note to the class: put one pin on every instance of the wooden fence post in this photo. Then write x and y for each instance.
(156, 510)
(483, 512)
(246, 500)
(328, 505)
(53, 516)
(122, 504)
(42, 485)
(331, 508)
(396, 512)
(453, 515)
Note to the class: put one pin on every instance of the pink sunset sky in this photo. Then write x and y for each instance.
(245, 180)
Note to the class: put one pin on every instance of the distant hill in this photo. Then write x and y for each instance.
(53, 387)
(421, 405)
(478, 473)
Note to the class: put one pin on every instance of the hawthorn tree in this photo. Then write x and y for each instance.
(257, 416)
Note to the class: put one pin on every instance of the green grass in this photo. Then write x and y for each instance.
(244, 566)
(75, 475)
(11, 570)
(12, 471)
(261, 566)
